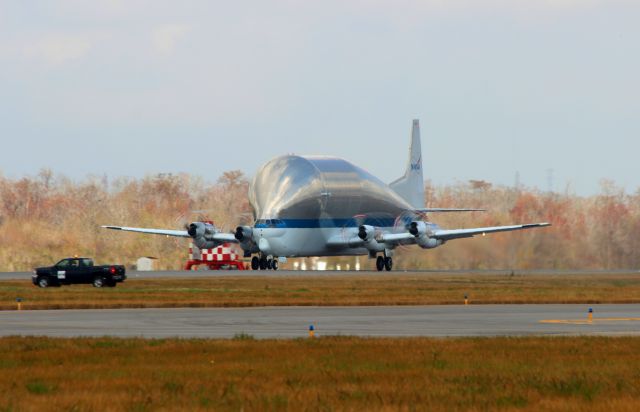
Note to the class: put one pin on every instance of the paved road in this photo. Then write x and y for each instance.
(287, 273)
(292, 322)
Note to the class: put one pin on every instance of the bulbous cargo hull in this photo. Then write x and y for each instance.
(293, 188)
(315, 198)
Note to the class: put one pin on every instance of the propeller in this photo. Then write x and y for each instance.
(402, 224)
(347, 231)
(185, 220)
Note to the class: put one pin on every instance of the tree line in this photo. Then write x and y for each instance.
(47, 217)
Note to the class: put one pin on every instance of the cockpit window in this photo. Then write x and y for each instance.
(269, 223)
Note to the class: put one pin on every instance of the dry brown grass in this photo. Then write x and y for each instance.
(397, 289)
(334, 373)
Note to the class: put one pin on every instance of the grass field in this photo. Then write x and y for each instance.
(331, 373)
(397, 289)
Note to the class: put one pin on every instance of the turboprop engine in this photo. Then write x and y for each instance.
(244, 235)
(367, 239)
(421, 231)
(366, 232)
(202, 234)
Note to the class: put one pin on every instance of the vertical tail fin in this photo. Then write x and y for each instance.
(411, 186)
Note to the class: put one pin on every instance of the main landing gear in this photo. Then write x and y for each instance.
(384, 262)
(264, 263)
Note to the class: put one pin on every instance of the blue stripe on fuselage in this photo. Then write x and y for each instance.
(331, 223)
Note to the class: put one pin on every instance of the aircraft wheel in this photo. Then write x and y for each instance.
(263, 263)
(379, 263)
(274, 265)
(255, 263)
(269, 264)
(388, 263)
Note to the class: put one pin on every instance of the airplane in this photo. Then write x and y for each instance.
(305, 206)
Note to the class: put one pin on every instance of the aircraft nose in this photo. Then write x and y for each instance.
(264, 246)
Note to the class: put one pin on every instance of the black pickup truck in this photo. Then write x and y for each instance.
(78, 270)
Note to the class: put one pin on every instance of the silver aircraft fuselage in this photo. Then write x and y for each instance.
(301, 202)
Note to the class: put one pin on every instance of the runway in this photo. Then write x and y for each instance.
(159, 274)
(294, 322)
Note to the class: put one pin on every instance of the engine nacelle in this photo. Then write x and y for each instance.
(418, 229)
(421, 231)
(427, 242)
(202, 234)
(202, 243)
(200, 229)
(244, 233)
(366, 232)
(196, 230)
(210, 229)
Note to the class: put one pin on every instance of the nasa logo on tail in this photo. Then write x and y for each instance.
(417, 165)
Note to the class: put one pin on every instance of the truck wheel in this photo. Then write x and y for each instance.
(43, 282)
(98, 282)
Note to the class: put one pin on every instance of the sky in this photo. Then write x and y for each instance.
(546, 89)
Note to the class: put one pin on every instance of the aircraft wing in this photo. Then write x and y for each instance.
(394, 237)
(445, 210)
(225, 237)
(448, 234)
(220, 237)
(165, 232)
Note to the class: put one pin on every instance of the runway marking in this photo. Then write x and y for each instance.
(587, 322)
